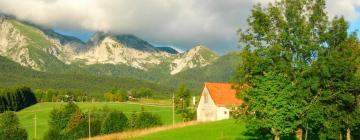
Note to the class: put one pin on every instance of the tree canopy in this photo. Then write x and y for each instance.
(302, 69)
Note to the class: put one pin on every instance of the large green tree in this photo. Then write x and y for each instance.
(339, 89)
(286, 61)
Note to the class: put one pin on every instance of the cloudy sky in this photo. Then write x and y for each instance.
(180, 23)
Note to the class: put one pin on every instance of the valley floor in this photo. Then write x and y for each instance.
(42, 111)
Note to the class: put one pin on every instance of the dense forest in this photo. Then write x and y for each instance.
(14, 99)
(12, 74)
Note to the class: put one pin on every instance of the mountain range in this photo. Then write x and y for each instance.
(121, 55)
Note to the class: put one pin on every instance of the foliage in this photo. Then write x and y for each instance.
(81, 130)
(116, 94)
(68, 122)
(98, 114)
(60, 117)
(53, 134)
(52, 95)
(182, 103)
(141, 93)
(10, 127)
(146, 120)
(301, 68)
(14, 99)
(114, 122)
(78, 82)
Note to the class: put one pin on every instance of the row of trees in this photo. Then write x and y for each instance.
(68, 122)
(121, 95)
(51, 95)
(116, 94)
(14, 99)
(302, 68)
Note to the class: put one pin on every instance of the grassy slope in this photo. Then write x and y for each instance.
(12, 74)
(43, 110)
(221, 130)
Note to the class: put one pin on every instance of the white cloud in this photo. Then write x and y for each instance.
(172, 22)
(344, 7)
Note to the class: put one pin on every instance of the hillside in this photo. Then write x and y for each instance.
(12, 74)
(220, 70)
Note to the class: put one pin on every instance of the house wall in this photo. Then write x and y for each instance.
(207, 110)
(222, 113)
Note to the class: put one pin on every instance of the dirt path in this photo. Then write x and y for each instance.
(142, 132)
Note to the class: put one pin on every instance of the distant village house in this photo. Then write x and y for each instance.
(216, 102)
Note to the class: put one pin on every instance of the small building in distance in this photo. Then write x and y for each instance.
(216, 102)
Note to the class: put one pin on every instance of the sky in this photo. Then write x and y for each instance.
(179, 23)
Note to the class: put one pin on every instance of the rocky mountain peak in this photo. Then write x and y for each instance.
(198, 56)
(43, 49)
(128, 40)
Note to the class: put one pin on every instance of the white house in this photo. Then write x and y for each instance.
(216, 102)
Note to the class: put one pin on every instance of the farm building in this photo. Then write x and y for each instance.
(216, 102)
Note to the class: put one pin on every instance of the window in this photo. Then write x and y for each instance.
(225, 112)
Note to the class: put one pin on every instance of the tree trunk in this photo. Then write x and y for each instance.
(299, 134)
(277, 138)
(306, 134)
(341, 136)
(348, 134)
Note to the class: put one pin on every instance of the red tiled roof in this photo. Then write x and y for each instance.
(223, 94)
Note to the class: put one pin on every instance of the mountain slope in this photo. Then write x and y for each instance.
(107, 54)
(13, 74)
(168, 50)
(198, 56)
(221, 70)
(29, 47)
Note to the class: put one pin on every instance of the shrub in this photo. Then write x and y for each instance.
(10, 127)
(146, 120)
(132, 121)
(114, 122)
(53, 134)
(59, 117)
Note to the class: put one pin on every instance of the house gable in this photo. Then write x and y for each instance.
(205, 99)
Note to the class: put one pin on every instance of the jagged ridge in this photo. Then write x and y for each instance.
(43, 49)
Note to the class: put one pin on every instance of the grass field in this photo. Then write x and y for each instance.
(42, 110)
(220, 130)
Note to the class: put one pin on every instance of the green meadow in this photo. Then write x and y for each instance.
(42, 111)
(220, 130)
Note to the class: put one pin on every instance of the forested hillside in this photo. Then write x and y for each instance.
(12, 74)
